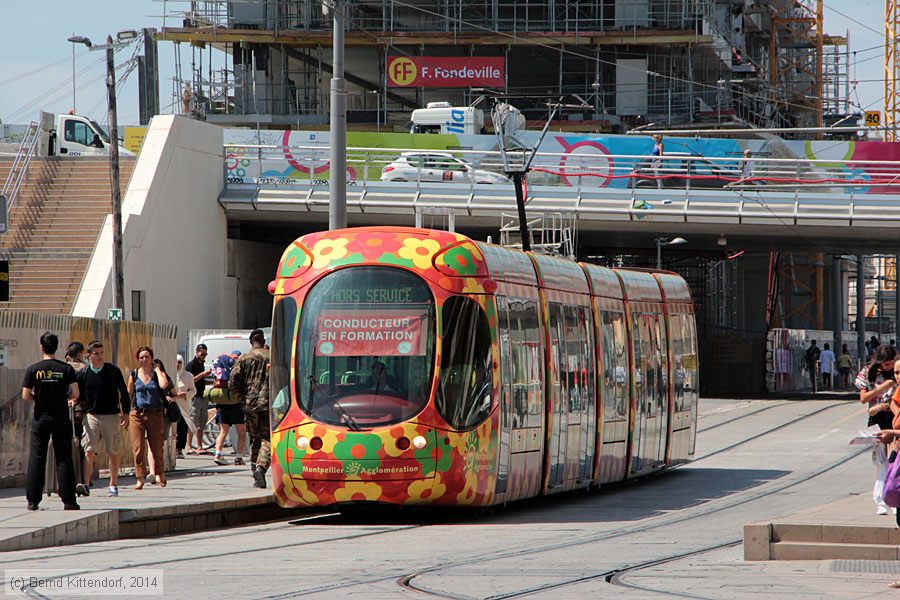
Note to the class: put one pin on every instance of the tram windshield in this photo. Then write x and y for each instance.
(366, 347)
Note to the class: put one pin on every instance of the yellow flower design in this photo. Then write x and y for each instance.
(297, 490)
(368, 489)
(420, 491)
(419, 251)
(327, 250)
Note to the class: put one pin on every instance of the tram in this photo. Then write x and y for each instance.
(412, 366)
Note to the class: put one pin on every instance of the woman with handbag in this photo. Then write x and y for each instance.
(147, 385)
(876, 383)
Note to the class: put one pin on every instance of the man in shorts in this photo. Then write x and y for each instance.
(199, 404)
(231, 414)
(106, 398)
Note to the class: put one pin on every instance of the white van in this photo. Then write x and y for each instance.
(440, 117)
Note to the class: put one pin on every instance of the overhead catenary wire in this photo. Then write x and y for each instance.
(23, 110)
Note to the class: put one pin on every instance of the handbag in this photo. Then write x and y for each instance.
(891, 492)
(173, 413)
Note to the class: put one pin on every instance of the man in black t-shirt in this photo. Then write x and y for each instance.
(199, 404)
(51, 384)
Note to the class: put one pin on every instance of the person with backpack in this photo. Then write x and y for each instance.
(250, 381)
(231, 414)
(811, 357)
(146, 386)
(107, 406)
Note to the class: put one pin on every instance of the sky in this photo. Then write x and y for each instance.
(33, 39)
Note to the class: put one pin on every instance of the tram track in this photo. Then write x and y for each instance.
(408, 581)
(743, 416)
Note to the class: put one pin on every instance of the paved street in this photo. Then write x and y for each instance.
(678, 533)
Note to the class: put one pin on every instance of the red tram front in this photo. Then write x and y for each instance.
(420, 367)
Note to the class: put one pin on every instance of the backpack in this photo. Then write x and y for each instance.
(221, 371)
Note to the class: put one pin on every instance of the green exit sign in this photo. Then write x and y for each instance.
(114, 314)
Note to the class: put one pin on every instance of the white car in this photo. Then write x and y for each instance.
(437, 166)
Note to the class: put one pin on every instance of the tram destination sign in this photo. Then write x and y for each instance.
(381, 332)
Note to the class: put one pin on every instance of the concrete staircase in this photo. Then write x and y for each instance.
(53, 226)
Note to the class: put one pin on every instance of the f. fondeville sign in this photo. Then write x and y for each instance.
(457, 71)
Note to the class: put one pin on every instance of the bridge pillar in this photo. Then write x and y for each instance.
(861, 308)
(837, 307)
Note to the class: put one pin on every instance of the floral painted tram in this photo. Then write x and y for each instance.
(413, 366)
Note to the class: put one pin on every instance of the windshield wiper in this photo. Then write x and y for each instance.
(345, 416)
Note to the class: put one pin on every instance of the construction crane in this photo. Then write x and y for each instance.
(891, 67)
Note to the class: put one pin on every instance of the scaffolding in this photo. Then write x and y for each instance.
(747, 62)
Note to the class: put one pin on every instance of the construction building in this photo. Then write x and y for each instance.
(617, 63)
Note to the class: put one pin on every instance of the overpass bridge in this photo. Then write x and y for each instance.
(616, 200)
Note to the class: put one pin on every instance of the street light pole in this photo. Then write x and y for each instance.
(660, 242)
(337, 197)
(118, 269)
(73, 78)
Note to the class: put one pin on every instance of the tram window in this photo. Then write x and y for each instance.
(558, 352)
(662, 365)
(676, 332)
(464, 390)
(615, 366)
(519, 350)
(532, 361)
(365, 349)
(575, 364)
(284, 320)
(586, 329)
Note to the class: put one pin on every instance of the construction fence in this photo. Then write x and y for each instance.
(19, 348)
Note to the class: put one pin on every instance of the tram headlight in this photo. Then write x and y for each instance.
(419, 442)
(303, 442)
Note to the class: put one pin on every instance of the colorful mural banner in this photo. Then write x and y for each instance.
(379, 332)
(444, 71)
(565, 159)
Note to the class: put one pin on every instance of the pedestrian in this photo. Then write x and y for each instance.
(844, 364)
(868, 347)
(874, 342)
(811, 357)
(657, 158)
(107, 402)
(876, 383)
(75, 359)
(250, 381)
(51, 385)
(184, 393)
(168, 395)
(746, 166)
(199, 404)
(231, 414)
(146, 387)
(827, 359)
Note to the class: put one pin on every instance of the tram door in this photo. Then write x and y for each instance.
(645, 441)
(559, 422)
(661, 349)
(505, 395)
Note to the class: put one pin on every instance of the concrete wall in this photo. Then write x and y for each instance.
(175, 233)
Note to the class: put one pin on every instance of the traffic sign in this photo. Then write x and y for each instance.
(873, 118)
(114, 314)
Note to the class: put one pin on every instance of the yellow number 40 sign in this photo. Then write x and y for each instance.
(873, 118)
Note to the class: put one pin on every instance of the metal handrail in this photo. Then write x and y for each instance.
(19, 168)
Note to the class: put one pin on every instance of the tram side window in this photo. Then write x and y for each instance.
(676, 331)
(574, 359)
(519, 354)
(464, 391)
(615, 370)
(284, 320)
(531, 360)
(639, 360)
(662, 365)
(690, 361)
(586, 329)
(558, 353)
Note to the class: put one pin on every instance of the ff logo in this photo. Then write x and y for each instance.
(402, 71)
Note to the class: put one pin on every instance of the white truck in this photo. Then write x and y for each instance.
(441, 117)
(73, 135)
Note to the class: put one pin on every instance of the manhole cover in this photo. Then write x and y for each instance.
(885, 567)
